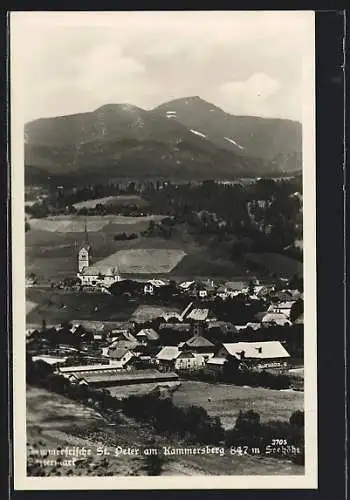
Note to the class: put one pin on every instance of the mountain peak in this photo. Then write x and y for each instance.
(114, 107)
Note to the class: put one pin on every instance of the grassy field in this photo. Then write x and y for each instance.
(127, 199)
(144, 260)
(66, 423)
(76, 223)
(146, 312)
(225, 401)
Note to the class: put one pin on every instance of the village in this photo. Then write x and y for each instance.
(200, 341)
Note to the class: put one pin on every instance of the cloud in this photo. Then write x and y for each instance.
(257, 87)
(245, 62)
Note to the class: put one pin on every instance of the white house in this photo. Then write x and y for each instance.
(275, 318)
(282, 307)
(173, 357)
(263, 354)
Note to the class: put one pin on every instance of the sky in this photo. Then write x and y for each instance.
(247, 63)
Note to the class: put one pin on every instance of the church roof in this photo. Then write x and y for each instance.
(96, 270)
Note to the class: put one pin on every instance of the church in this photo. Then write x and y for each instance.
(98, 275)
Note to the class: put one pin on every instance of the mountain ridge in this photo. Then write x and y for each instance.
(195, 136)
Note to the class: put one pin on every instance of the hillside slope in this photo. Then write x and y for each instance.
(267, 138)
(122, 140)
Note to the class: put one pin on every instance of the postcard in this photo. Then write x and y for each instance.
(164, 250)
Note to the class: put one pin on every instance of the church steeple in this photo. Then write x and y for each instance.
(86, 243)
(84, 252)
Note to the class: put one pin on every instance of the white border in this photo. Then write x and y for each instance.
(21, 481)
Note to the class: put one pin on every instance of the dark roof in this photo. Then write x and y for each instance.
(198, 341)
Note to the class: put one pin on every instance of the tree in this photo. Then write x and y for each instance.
(297, 310)
(153, 462)
(248, 423)
(297, 419)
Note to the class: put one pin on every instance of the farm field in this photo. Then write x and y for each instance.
(67, 423)
(144, 260)
(148, 312)
(76, 223)
(127, 199)
(225, 400)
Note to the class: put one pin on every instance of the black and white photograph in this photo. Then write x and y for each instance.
(163, 218)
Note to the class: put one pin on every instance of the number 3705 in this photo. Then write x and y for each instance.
(279, 442)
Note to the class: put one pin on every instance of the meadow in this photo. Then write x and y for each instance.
(76, 223)
(68, 423)
(120, 200)
(146, 261)
(226, 400)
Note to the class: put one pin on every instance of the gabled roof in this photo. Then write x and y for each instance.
(198, 314)
(168, 353)
(125, 336)
(96, 270)
(149, 333)
(156, 283)
(285, 305)
(118, 352)
(257, 350)
(198, 341)
(186, 284)
(271, 317)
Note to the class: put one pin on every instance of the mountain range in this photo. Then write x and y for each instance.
(187, 138)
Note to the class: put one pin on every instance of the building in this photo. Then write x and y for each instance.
(98, 275)
(199, 345)
(147, 335)
(214, 366)
(171, 357)
(151, 286)
(275, 319)
(282, 307)
(266, 354)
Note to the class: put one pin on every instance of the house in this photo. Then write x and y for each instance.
(198, 315)
(186, 285)
(253, 326)
(236, 286)
(171, 357)
(53, 361)
(151, 285)
(147, 335)
(199, 344)
(266, 354)
(214, 366)
(99, 276)
(282, 307)
(167, 356)
(274, 318)
(189, 361)
(123, 336)
(118, 350)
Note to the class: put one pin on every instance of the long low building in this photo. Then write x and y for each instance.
(129, 378)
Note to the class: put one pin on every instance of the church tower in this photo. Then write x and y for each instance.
(84, 253)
